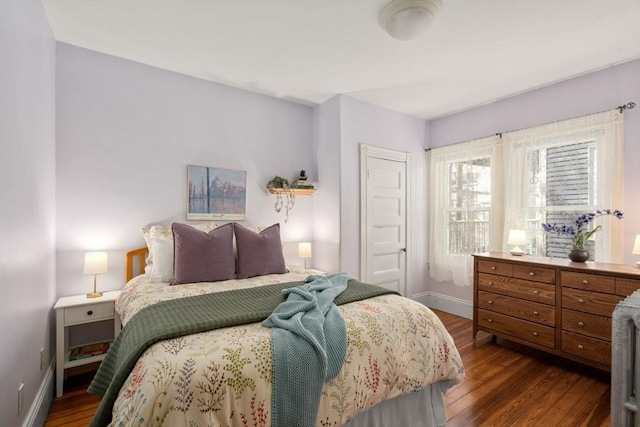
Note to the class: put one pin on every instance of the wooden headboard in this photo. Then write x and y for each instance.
(136, 262)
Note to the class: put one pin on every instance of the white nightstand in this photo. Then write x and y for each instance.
(79, 310)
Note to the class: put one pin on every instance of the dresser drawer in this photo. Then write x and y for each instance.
(538, 274)
(525, 289)
(88, 313)
(532, 332)
(587, 324)
(626, 287)
(494, 267)
(589, 302)
(590, 282)
(588, 348)
(527, 310)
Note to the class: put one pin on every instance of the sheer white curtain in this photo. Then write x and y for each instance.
(462, 207)
(557, 170)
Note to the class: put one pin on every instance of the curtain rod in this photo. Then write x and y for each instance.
(620, 108)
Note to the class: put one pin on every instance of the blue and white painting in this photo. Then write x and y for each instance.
(216, 194)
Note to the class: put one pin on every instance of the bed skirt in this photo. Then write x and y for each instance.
(420, 409)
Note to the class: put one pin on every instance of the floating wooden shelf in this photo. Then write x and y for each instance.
(296, 191)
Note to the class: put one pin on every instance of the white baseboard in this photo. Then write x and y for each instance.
(457, 306)
(42, 403)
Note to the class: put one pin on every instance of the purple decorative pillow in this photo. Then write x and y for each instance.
(202, 257)
(259, 253)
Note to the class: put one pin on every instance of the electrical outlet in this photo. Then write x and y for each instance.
(20, 397)
(42, 358)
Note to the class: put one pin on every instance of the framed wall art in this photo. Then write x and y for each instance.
(216, 194)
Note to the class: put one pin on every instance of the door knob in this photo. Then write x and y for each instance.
(404, 249)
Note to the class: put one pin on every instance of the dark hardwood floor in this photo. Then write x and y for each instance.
(506, 385)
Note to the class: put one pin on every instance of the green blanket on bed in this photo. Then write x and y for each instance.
(185, 316)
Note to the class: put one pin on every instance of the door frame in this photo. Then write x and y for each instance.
(367, 152)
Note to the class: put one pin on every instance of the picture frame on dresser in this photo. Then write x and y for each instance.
(551, 304)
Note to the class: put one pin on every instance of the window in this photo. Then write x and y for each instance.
(469, 204)
(563, 177)
(557, 171)
(460, 189)
(479, 190)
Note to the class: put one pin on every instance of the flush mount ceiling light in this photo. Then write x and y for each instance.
(406, 19)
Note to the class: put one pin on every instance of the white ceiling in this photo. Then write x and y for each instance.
(307, 51)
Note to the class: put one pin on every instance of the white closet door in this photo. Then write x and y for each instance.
(385, 217)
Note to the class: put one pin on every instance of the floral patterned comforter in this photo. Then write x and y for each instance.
(223, 377)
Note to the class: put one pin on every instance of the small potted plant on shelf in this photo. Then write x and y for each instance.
(303, 181)
(281, 186)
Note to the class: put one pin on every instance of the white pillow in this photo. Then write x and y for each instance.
(162, 268)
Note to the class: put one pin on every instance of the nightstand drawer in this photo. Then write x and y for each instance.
(88, 313)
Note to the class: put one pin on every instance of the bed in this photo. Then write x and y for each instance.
(399, 359)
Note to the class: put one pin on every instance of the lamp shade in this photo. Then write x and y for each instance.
(406, 19)
(304, 250)
(517, 237)
(636, 246)
(95, 263)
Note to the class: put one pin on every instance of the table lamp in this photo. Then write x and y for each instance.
(304, 252)
(517, 238)
(636, 248)
(95, 263)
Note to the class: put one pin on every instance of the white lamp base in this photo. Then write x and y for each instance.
(517, 251)
(638, 264)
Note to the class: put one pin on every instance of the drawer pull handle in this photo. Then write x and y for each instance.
(580, 347)
(581, 324)
(580, 300)
(536, 292)
(493, 267)
(490, 283)
(535, 313)
(532, 274)
(89, 313)
(489, 320)
(585, 282)
(535, 334)
(490, 302)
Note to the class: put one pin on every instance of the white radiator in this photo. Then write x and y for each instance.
(625, 363)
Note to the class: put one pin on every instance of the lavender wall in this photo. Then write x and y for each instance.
(326, 213)
(27, 205)
(125, 135)
(362, 123)
(590, 93)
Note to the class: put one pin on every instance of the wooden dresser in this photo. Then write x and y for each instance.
(551, 304)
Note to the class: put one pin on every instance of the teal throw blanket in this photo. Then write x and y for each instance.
(309, 344)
